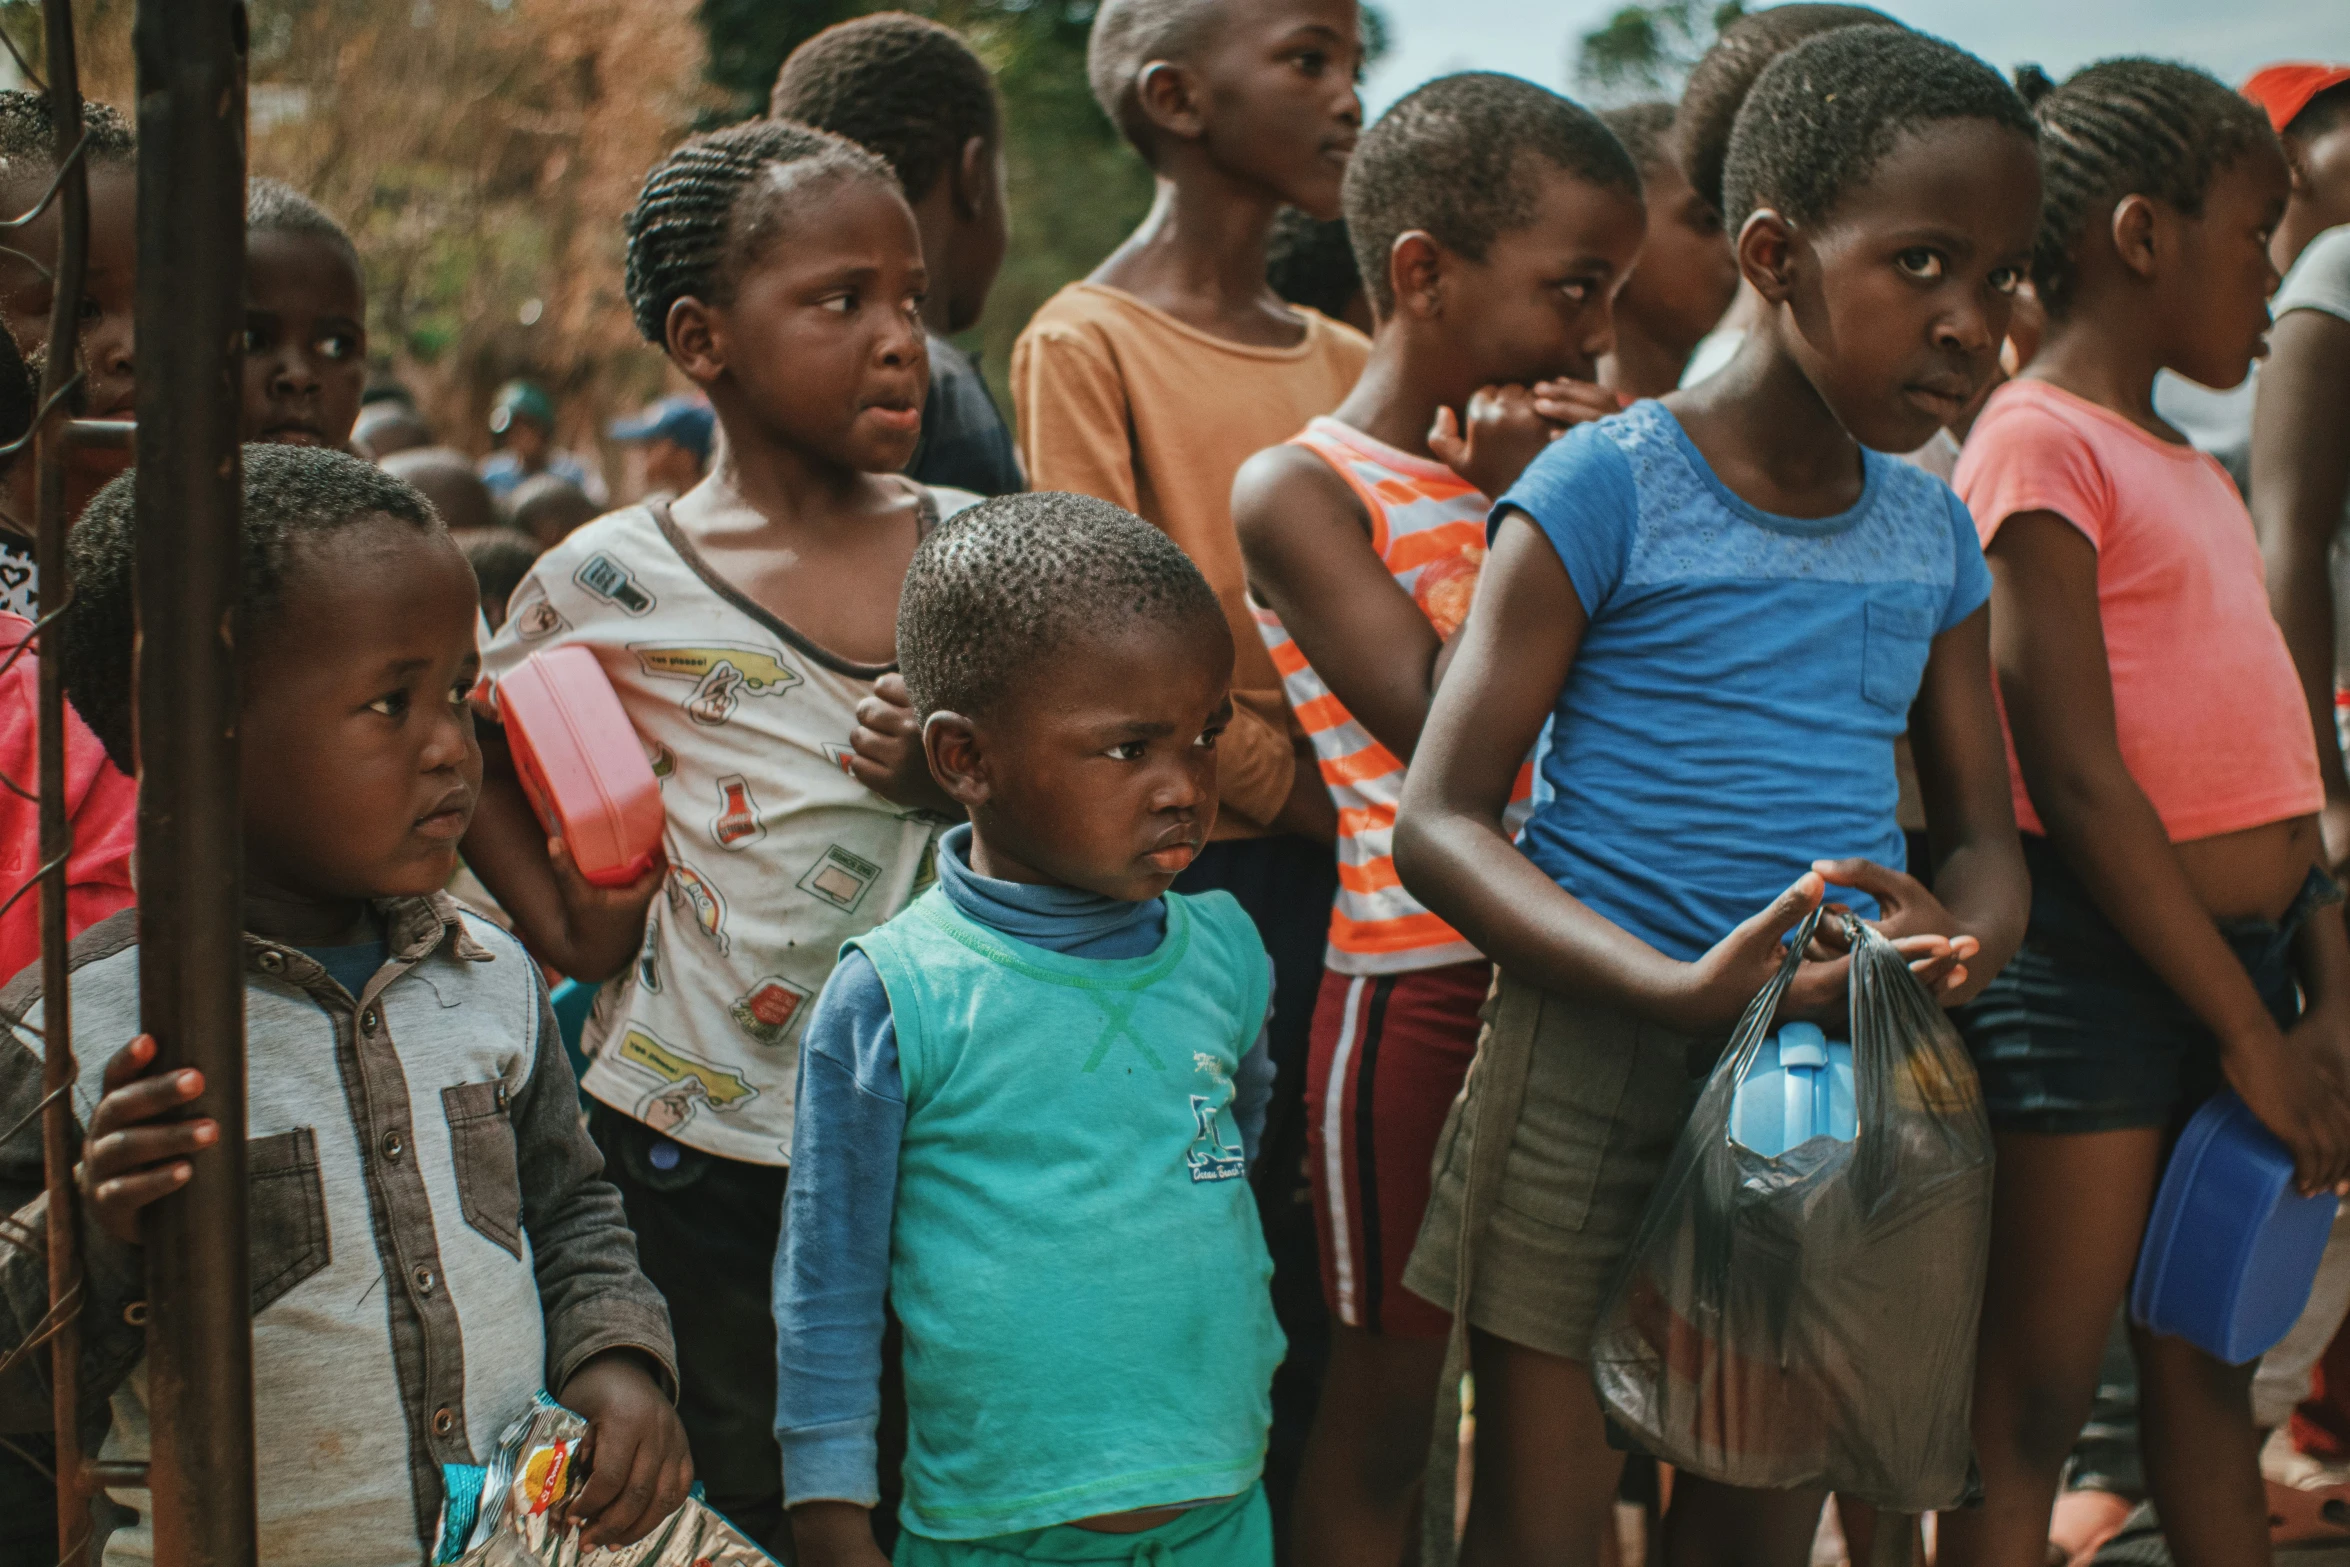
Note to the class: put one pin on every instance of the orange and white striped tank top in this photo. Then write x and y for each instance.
(1428, 526)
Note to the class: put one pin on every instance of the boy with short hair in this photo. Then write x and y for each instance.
(1686, 277)
(914, 92)
(433, 1241)
(1494, 222)
(1149, 383)
(1152, 381)
(305, 321)
(1028, 1101)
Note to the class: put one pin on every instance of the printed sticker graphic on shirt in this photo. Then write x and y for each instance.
(839, 756)
(722, 673)
(685, 1083)
(698, 896)
(840, 878)
(648, 958)
(534, 617)
(737, 823)
(615, 584)
(767, 1010)
(1210, 1157)
(662, 760)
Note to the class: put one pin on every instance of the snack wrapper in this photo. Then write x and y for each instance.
(535, 1469)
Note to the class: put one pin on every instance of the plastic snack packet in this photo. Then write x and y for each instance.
(535, 1470)
(1808, 1318)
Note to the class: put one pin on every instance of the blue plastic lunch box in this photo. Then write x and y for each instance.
(2231, 1249)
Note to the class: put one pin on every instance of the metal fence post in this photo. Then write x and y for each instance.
(191, 85)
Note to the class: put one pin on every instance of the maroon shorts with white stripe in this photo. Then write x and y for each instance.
(1389, 1052)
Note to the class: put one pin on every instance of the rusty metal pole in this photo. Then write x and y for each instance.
(57, 1068)
(191, 319)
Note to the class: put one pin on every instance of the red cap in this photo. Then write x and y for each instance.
(2285, 90)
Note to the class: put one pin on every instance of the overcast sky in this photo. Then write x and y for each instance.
(2233, 38)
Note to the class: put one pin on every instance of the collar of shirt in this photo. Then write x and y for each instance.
(1057, 918)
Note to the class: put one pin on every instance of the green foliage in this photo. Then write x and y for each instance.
(1645, 50)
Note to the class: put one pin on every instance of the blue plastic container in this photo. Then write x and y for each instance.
(2231, 1249)
(1799, 1088)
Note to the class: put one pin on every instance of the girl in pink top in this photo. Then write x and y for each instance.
(2182, 932)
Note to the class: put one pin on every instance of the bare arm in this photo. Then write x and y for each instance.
(2048, 642)
(1306, 540)
(2300, 481)
(1515, 654)
(585, 931)
(1978, 866)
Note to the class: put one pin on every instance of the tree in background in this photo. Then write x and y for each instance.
(484, 152)
(1646, 51)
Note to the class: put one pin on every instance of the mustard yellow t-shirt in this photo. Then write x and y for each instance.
(1122, 401)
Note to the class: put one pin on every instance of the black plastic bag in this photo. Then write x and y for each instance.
(1810, 1320)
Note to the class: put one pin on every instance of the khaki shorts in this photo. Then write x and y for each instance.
(1590, 1102)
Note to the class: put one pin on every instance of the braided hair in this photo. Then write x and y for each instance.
(907, 88)
(713, 205)
(2128, 127)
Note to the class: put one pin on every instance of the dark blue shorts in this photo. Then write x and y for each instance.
(2077, 1034)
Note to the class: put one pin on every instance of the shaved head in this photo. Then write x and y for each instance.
(1127, 36)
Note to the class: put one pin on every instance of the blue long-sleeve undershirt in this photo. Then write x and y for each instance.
(832, 1270)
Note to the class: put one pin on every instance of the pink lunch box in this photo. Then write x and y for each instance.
(581, 764)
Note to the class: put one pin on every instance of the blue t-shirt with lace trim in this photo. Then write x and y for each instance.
(1731, 715)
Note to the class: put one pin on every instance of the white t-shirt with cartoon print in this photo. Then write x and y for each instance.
(776, 854)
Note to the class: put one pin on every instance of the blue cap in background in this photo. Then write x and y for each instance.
(684, 419)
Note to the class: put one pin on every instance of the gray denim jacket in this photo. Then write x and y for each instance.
(432, 1237)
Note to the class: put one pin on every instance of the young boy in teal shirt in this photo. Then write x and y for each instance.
(1030, 1097)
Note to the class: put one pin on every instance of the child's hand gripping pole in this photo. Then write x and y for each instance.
(135, 1154)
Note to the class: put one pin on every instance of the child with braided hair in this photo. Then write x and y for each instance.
(749, 628)
(2183, 935)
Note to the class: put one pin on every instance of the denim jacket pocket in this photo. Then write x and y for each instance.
(1896, 639)
(285, 1207)
(489, 1175)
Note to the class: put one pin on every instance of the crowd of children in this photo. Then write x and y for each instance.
(1183, 942)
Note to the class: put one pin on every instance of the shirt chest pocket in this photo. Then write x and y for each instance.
(1897, 634)
(285, 1213)
(489, 1176)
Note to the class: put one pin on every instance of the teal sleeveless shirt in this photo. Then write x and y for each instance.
(1074, 1252)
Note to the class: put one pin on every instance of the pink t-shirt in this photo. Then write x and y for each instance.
(2206, 704)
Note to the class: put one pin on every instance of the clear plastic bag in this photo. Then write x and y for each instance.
(1810, 1319)
(535, 1469)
